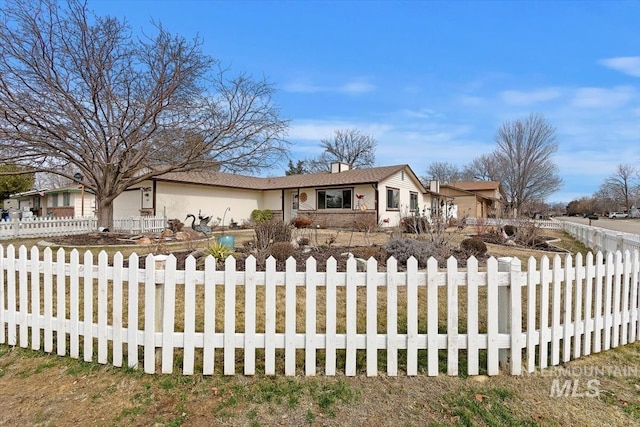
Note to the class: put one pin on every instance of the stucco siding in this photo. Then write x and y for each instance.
(179, 200)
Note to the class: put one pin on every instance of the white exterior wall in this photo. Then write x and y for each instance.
(89, 204)
(180, 199)
(128, 204)
(404, 182)
(271, 199)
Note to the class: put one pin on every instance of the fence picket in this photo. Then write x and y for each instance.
(473, 344)
(617, 286)
(61, 310)
(567, 319)
(492, 317)
(625, 312)
(103, 301)
(189, 316)
(132, 306)
(588, 325)
(452, 317)
(34, 278)
(150, 315)
(352, 317)
(74, 305)
(250, 317)
(331, 316)
(372, 318)
(545, 335)
(608, 318)
(270, 318)
(412, 316)
(48, 300)
(23, 298)
(556, 301)
(116, 311)
(311, 281)
(533, 335)
(168, 314)
(516, 317)
(600, 272)
(208, 352)
(230, 316)
(392, 317)
(290, 318)
(432, 317)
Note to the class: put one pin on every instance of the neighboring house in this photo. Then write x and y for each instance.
(336, 199)
(474, 199)
(68, 202)
(65, 202)
(27, 201)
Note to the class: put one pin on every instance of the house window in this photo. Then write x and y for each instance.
(66, 199)
(335, 199)
(54, 200)
(413, 203)
(393, 199)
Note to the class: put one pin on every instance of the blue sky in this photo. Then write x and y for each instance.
(433, 81)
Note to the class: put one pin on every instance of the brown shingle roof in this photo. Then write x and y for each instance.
(349, 177)
(476, 185)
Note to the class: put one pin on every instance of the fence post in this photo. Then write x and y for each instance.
(160, 262)
(504, 311)
(16, 227)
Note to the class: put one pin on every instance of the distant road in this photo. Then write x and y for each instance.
(625, 225)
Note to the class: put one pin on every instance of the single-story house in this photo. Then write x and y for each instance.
(64, 202)
(475, 199)
(335, 199)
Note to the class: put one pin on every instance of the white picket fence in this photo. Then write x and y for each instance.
(315, 322)
(501, 222)
(600, 239)
(49, 227)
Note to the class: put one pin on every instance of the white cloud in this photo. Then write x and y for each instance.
(625, 64)
(356, 88)
(594, 97)
(517, 97)
(353, 87)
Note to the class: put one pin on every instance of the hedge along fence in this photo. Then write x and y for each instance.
(216, 320)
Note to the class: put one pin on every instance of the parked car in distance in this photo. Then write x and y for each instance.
(614, 215)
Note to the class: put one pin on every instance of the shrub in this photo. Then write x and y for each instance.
(473, 247)
(415, 224)
(402, 249)
(272, 231)
(258, 216)
(281, 250)
(219, 251)
(303, 241)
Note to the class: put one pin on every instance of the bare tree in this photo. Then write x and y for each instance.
(80, 94)
(442, 171)
(524, 160)
(622, 188)
(349, 146)
(483, 168)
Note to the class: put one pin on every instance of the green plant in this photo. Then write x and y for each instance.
(258, 216)
(219, 250)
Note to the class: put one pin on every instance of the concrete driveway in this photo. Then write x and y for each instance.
(624, 225)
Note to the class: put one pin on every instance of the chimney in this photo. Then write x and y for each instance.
(434, 186)
(339, 167)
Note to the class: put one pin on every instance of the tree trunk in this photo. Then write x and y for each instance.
(105, 212)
